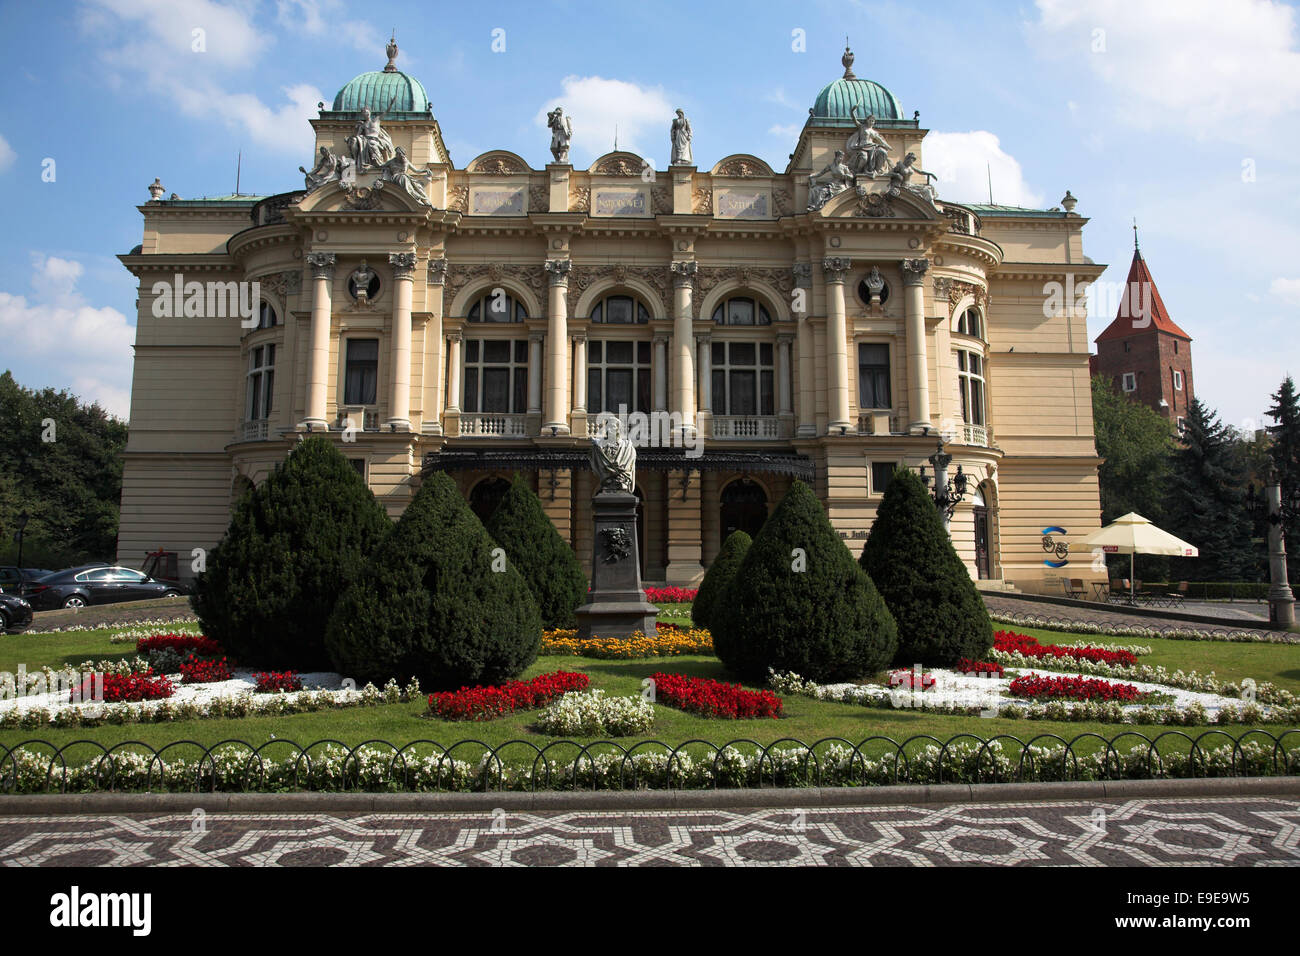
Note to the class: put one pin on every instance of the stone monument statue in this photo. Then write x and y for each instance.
(398, 171)
(561, 127)
(830, 182)
(617, 606)
(370, 145)
(329, 168)
(681, 135)
(900, 178)
(359, 282)
(868, 149)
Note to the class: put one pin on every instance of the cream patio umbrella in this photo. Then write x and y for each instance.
(1133, 534)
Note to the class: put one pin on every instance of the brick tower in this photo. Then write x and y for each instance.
(1145, 354)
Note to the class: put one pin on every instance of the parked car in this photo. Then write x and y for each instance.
(16, 580)
(97, 584)
(15, 613)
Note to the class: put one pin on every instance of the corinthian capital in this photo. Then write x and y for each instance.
(322, 264)
(403, 264)
(558, 271)
(913, 270)
(684, 273)
(835, 268)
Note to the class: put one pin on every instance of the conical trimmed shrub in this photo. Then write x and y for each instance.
(536, 550)
(294, 543)
(799, 602)
(719, 576)
(941, 616)
(436, 601)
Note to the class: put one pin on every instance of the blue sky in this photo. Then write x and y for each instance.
(1183, 114)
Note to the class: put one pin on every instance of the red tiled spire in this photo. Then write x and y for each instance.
(1139, 281)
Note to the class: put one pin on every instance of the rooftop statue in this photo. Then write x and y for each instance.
(329, 168)
(681, 135)
(371, 146)
(867, 148)
(830, 182)
(561, 127)
(613, 459)
(901, 174)
(399, 172)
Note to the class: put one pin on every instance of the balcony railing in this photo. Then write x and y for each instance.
(255, 430)
(494, 426)
(747, 427)
(979, 435)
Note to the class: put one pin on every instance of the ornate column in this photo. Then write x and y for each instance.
(433, 349)
(834, 270)
(399, 393)
(322, 274)
(535, 340)
(807, 353)
(661, 373)
(918, 367)
(706, 372)
(683, 342)
(556, 406)
(453, 372)
(580, 372)
(784, 402)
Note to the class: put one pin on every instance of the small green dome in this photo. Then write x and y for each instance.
(378, 88)
(835, 101)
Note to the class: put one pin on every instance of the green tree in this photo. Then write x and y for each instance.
(1136, 444)
(536, 550)
(718, 577)
(294, 544)
(1285, 450)
(799, 602)
(431, 604)
(941, 616)
(1206, 504)
(61, 464)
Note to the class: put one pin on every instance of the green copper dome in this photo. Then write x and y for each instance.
(384, 91)
(837, 99)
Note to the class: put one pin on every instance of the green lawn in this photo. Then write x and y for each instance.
(805, 720)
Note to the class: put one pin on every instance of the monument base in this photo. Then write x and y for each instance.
(617, 605)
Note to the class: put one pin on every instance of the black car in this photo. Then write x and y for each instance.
(15, 613)
(16, 580)
(97, 584)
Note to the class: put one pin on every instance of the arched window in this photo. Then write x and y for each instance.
(744, 507)
(267, 318)
(486, 495)
(970, 383)
(968, 323)
(742, 311)
(497, 306)
(620, 310)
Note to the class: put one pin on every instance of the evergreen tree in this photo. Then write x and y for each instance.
(1206, 505)
(536, 550)
(799, 602)
(434, 603)
(718, 577)
(294, 544)
(941, 616)
(1136, 443)
(1285, 433)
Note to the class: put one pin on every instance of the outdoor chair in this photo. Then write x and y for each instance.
(1074, 588)
(1176, 597)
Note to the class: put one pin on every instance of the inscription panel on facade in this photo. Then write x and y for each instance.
(498, 201)
(733, 203)
(620, 201)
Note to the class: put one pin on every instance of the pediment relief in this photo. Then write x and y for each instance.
(742, 166)
(619, 164)
(498, 162)
(878, 202)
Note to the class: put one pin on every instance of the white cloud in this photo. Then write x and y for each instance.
(58, 337)
(964, 162)
(1288, 290)
(643, 116)
(324, 18)
(7, 154)
(1202, 64)
(790, 131)
(165, 30)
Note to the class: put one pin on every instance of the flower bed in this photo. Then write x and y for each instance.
(911, 680)
(592, 714)
(1009, 642)
(119, 688)
(278, 682)
(670, 595)
(1114, 628)
(1038, 687)
(711, 698)
(968, 666)
(486, 703)
(668, 641)
(197, 644)
(195, 671)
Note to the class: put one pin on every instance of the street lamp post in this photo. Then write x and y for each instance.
(1281, 601)
(20, 534)
(946, 493)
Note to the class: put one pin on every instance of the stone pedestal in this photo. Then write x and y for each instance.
(618, 606)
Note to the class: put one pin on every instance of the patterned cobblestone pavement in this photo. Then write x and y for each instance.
(1235, 831)
(1102, 614)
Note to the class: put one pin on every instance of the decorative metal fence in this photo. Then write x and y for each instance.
(39, 766)
(1186, 630)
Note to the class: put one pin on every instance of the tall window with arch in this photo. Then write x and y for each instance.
(496, 305)
(742, 310)
(970, 386)
(619, 369)
(970, 323)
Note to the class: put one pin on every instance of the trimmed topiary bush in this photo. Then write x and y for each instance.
(799, 602)
(536, 550)
(941, 616)
(294, 543)
(719, 576)
(434, 602)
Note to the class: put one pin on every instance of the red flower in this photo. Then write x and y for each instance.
(711, 698)
(1013, 643)
(272, 681)
(199, 644)
(1073, 688)
(485, 703)
(117, 688)
(670, 595)
(195, 671)
(968, 666)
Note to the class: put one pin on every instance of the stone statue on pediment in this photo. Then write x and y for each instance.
(900, 178)
(370, 145)
(681, 135)
(561, 128)
(398, 171)
(868, 151)
(830, 182)
(329, 168)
